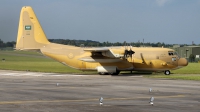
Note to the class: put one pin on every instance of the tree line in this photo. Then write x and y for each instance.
(90, 43)
(7, 44)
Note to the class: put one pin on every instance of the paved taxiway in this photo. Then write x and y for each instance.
(38, 92)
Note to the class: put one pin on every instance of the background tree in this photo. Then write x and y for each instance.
(1, 43)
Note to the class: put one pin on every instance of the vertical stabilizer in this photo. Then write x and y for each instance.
(30, 34)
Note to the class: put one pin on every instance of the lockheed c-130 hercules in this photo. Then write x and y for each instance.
(105, 60)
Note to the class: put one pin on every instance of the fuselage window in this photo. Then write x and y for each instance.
(176, 54)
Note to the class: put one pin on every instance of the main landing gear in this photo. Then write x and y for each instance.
(167, 72)
(110, 73)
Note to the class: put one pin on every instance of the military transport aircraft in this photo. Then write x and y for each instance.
(105, 60)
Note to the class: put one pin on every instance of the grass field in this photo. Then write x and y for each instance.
(192, 68)
(33, 61)
(190, 72)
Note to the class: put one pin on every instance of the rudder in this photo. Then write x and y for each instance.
(30, 33)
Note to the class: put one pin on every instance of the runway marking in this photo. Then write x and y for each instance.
(15, 73)
(43, 74)
(52, 88)
(175, 96)
(84, 100)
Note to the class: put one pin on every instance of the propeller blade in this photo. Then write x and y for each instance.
(127, 52)
(142, 58)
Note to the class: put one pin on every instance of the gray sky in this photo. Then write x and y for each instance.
(168, 21)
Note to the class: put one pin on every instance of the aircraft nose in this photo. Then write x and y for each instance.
(182, 62)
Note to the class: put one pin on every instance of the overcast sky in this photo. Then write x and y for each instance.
(168, 21)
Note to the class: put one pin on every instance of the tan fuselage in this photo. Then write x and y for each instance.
(154, 59)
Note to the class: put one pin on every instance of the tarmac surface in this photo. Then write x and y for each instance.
(53, 92)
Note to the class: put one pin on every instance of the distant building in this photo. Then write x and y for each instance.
(145, 46)
(176, 46)
(188, 51)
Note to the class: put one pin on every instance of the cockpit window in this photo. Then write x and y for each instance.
(172, 53)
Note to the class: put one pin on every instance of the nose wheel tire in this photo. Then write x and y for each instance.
(167, 72)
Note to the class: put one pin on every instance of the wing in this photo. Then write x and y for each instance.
(102, 55)
(104, 51)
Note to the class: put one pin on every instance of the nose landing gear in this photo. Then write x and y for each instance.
(167, 72)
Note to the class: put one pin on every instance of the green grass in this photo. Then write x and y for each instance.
(192, 68)
(190, 72)
(32, 61)
(21, 52)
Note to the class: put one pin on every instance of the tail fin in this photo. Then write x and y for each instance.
(30, 34)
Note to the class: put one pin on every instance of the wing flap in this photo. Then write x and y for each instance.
(104, 51)
(96, 49)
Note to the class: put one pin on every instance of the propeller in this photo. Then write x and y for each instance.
(131, 52)
(127, 52)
